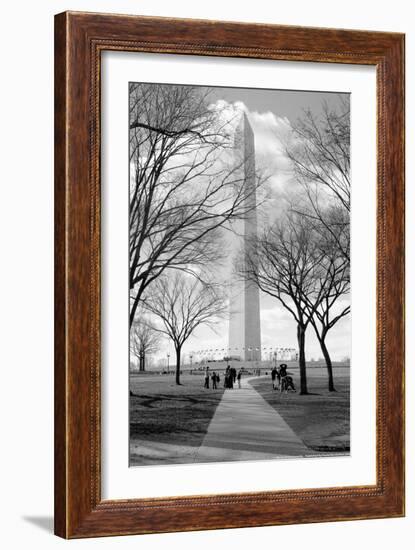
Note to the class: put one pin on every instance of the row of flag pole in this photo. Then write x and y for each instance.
(230, 350)
(267, 353)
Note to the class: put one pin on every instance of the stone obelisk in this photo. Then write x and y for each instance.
(244, 318)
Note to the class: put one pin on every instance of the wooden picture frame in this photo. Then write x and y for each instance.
(79, 40)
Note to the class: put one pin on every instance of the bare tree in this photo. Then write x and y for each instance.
(144, 340)
(182, 303)
(184, 187)
(285, 263)
(319, 151)
(334, 281)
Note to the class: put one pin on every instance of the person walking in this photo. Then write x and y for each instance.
(239, 378)
(214, 380)
(207, 378)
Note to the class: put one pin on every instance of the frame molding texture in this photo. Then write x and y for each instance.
(79, 40)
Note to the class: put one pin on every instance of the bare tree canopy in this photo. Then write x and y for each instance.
(144, 340)
(184, 187)
(182, 303)
(320, 151)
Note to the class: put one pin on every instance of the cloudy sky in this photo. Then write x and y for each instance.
(270, 113)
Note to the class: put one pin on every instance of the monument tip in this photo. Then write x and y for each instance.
(244, 129)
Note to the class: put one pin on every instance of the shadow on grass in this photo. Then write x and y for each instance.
(330, 448)
(150, 400)
(179, 433)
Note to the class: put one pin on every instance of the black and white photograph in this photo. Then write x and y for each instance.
(239, 274)
(209, 237)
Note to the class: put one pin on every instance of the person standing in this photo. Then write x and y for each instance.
(282, 375)
(273, 376)
(239, 378)
(229, 378)
(214, 380)
(207, 378)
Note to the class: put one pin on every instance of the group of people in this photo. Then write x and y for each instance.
(230, 378)
(211, 376)
(281, 379)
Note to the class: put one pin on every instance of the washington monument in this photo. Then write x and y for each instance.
(244, 318)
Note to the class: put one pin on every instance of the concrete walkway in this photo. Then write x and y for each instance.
(246, 427)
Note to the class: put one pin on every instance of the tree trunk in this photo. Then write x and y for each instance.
(178, 350)
(136, 302)
(327, 358)
(133, 310)
(143, 361)
(301, 359)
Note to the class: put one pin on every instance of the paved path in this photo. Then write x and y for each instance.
(246, 427)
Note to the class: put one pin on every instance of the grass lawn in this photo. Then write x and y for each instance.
(322, 418)
(163, 412)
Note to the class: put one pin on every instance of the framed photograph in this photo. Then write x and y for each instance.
(229, 275)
